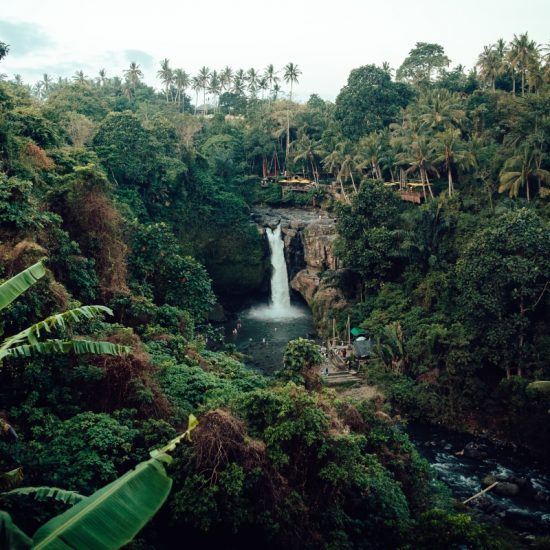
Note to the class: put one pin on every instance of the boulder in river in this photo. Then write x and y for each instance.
(488, 480)
(506, 489)
(476, 450)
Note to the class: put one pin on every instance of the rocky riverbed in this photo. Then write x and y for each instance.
(521, 498)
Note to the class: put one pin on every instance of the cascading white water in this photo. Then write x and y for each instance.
(280, 307)
(280, 291)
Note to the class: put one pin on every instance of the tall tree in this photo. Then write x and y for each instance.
(490, 65)
(239, 82)
(451, 151)
(166, 75)
(214, 86)
(226, 78)
(133, 75)
(252, 77)
(291, 75)
(523, 52)
(421, 63)
(204, 78)
(369, 101)
(181, 82)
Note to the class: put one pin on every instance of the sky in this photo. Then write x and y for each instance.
(326, 39)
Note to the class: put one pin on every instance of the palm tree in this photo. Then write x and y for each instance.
(80, 78)
(519, 169)
(490, 65)
(451, 150)
(166, 75)
(133, 75)
(102, 78)
(369, 152)
(252, 77)
(196, 85)
(333, 164)
(181, 81)
(239, 82)
(522, 53)
(418, 156)
(271, 77)
(226, 78)
(292, 72)
(440, 109)
(308, 149)
(263, 85)
(46, 84)
(276, 91)
(214, 86)
(204, 77)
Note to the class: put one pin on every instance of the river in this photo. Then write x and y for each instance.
(261, 330)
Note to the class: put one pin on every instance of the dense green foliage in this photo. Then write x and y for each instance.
(143, 207)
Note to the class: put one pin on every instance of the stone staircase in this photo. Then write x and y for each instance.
(338, 377)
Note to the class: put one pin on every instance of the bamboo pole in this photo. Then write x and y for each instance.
(492, 486)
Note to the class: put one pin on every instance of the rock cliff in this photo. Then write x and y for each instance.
(309, 237)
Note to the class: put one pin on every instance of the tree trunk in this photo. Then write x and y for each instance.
(522, 83)
(287, 142)
(527, 189)
(450, 176)
(352, 180)
(423, 186)
(428, 182)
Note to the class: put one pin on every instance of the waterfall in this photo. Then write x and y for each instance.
(280, 291)
(279, 308)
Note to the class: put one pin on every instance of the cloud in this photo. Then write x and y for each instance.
(23, 38)
(141, 58)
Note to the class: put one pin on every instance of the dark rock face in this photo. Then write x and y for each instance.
(238, 263)
(294, 251)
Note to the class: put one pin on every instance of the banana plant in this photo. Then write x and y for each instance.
(106, 520)
(26, 343)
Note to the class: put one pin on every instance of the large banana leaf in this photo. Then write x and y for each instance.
(65, 346)
(32, 333)
(15, 286)
(11, 537)
(112, 516)
(48, 493)
(542, 386)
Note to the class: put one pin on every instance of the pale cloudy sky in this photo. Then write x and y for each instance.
(326, 38)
